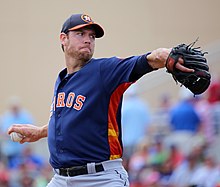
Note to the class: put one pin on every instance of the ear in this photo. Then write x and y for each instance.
(63, 38)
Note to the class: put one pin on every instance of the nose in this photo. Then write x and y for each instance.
(87, 39)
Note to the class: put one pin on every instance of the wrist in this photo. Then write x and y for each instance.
(150, 61)
(43, 131)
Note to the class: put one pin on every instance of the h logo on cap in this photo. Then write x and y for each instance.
(86, 18)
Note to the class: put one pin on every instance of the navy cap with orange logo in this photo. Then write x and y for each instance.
(77, 21)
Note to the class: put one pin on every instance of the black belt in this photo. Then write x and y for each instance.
(78, 170)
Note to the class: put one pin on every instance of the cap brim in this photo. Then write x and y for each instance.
(99, 31)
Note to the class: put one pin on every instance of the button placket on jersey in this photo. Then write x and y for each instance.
(58, 118)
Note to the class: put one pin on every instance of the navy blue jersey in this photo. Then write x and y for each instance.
(85, 124)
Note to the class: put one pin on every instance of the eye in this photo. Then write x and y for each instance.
(92, 36)
(79, 33)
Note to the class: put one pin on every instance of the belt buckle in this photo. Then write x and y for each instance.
(67, 172)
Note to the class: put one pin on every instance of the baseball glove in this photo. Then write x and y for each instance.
(199, 80)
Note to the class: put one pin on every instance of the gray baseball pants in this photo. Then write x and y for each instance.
(114, 175)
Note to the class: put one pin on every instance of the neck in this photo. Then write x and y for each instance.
(74, 65)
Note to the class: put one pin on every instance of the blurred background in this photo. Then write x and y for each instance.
(31, 58)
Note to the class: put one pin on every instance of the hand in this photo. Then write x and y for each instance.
(31, 133)
(157, 59)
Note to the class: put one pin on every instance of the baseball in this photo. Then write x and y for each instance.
(16, 137)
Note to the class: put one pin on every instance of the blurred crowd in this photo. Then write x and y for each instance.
(20, 165)
(172, 145)
(175, 145)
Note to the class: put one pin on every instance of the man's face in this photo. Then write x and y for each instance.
(80, 43)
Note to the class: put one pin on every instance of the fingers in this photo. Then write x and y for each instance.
(14, 128)
(181, 67)
(20, 129)
(180, 60)
(31, 133)
(25, 139)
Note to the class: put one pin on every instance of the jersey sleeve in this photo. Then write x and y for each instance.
(115, 71)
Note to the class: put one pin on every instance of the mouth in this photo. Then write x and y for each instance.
(85, 48)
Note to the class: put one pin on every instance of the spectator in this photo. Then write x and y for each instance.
(184, 116)
(32, 160)
(208, 170)
(165, 173)
(4, 175)
(15, 114)
(138, 161)
(175, 156)
(203, 109)
(135, 120)
(185, 123)
(160, 121)
(45, 175)
(184, 174)
(149, 177)
(30, 170)
(214, 100)
(158, 154)
(213, 91)
(26, 176)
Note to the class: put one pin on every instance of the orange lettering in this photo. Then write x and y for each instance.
(69, 101)
(79, 102)
(60, 99)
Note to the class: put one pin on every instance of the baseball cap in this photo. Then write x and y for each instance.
(77, 21)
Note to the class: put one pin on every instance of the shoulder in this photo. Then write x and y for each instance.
(107, 59)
